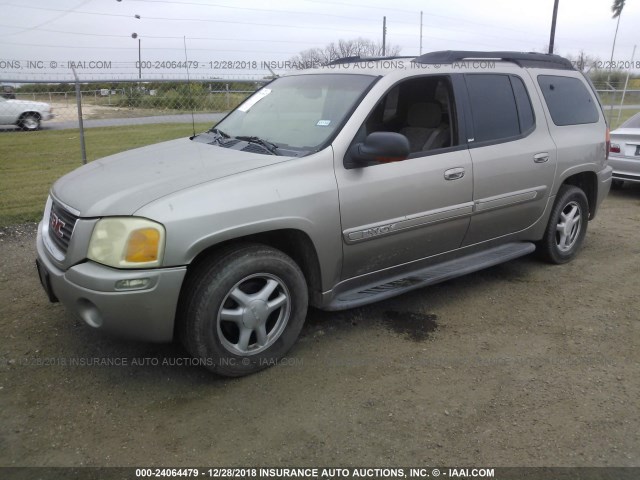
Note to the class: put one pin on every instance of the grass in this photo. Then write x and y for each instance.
(31, 161)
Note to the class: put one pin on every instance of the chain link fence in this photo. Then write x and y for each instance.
(132, 104)
(80, 122)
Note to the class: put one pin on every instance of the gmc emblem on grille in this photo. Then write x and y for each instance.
(56, 225)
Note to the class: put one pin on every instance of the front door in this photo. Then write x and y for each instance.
(399, 212)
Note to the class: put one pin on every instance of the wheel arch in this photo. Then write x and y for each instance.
(295, 243)
(587, 181)
(30, 112)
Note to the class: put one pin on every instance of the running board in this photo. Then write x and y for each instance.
(430, 275)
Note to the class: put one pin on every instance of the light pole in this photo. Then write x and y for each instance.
(134, 36)
(552, 37)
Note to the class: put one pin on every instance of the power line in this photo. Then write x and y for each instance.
(64, 12)
(395, 21)
(278, 25)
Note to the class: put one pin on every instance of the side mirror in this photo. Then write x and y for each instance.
(380, 147)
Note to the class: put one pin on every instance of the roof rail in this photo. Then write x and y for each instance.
(522, 59)
(358, 58)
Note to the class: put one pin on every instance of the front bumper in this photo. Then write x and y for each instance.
(89, 291)
(625, 168)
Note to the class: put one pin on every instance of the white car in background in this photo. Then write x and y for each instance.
(24, 113)
(624, 156)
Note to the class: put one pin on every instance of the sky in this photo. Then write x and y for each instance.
(40, 39)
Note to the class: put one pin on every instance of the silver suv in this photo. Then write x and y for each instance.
(334, 187)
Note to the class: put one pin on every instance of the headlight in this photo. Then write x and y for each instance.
(126, 242)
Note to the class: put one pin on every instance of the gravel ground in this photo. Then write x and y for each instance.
(523, 364)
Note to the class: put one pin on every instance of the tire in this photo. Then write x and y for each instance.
(242, 309)
(567, 226)
(617, 184)
(30, 122)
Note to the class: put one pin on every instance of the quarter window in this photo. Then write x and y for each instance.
(568, 100)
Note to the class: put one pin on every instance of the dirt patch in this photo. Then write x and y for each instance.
(531, 365)
(65, 112)
(416, 326)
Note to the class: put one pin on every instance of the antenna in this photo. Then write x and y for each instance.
(186, 59)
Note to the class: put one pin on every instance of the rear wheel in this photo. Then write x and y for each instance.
(243, 309)
(30, 121)
(567, 226)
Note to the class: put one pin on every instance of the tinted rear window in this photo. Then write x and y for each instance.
(568, 100)
(493, 107)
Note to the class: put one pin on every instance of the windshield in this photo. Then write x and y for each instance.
(633, 122)
(297, 112)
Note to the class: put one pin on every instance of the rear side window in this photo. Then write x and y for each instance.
(568, 100)
(500, 107)
(525, 111)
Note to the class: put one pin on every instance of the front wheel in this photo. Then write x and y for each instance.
(567, 226)
(30, 122)
(243, 309)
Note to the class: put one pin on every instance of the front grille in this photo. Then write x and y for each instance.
(61, 224)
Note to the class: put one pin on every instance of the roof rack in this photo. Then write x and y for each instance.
(522, 59)
(358, 58)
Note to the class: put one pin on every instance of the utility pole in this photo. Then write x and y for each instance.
(626, 83)
(134, 36)
(139, 59)
(384, 36)
(420, 32)
(553, 25)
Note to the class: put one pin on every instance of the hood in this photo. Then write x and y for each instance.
(29, 103)
(626, 132)
(123, 183)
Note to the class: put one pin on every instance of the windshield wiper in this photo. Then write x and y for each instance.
(220, 134)
(271, 147)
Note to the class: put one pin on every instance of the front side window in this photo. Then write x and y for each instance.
(299, 112)
(421, 109)
(568, 100)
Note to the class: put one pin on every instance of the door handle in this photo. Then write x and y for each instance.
(541, 157)
(454, 173)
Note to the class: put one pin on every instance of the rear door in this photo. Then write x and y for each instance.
(514, 157)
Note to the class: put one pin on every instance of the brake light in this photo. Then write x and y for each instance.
(608, 141)
(615, 148)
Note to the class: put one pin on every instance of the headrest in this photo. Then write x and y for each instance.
(425, 115)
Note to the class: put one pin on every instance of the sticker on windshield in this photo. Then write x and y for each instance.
(259, 95)
(323, 123)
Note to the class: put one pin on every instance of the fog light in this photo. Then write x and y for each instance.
(89, 313)
(133, 284)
